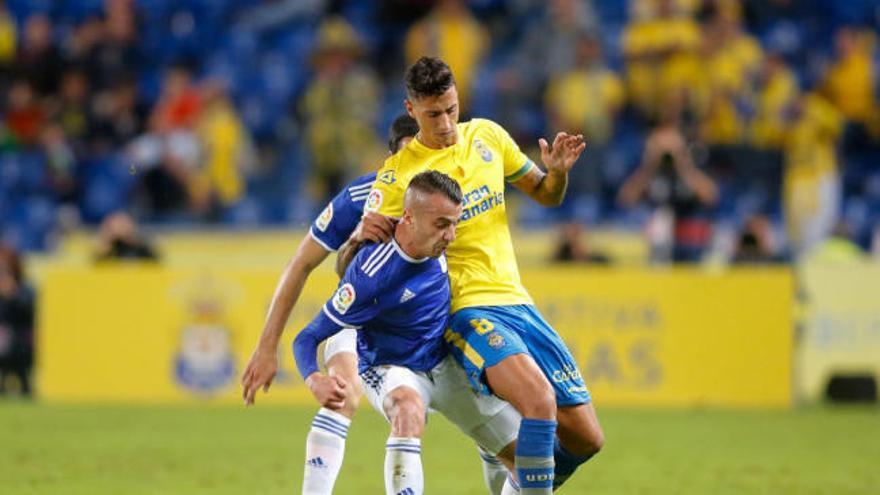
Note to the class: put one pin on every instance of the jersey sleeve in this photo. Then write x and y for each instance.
(386, 197)
(353, 304)
(516, 163)
(355, 301)
(305, 345)
(336, 223)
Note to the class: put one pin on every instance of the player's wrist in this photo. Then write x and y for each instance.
(557, 172)
(267, 348)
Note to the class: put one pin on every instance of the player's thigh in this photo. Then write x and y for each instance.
(340, 352)
(479, 338)
(579, 430)
(518, 380)
(380, 381)
(513, 352)
(340, 355)
(552, 356)
(491, 422)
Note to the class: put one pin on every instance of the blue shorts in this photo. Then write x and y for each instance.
(483, 336)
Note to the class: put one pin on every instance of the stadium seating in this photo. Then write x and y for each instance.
(267, 71)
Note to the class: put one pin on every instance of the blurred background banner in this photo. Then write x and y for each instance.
(678, 337)
(124, 350)
(841, 325)
(642, 337)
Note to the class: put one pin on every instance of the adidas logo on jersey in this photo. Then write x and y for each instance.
(316, 462)
(407, 295)
(406, 491)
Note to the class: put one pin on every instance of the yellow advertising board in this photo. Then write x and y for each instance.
(677, 337)
(642, 338)
(841, 324)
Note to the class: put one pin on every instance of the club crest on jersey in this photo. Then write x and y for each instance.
(496, 340)
(374, 200)
(326, 216)
(388, 177)
(484, 152)
(344, 298)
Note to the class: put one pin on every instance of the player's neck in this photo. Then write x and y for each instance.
(404, 240)
(434, 145)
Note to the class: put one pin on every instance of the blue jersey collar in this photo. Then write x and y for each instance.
(406, 256)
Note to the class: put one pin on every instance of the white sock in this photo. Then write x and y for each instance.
(325, 448)
(403, 466)
(494, 472)
(510, 487)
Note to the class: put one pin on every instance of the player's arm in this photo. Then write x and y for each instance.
(383, 208)
(373, 227)
(696, 180)
(263, 365)
(633, 188)
(347, 253)
(548, 188)
(352, 305)
(328, 390)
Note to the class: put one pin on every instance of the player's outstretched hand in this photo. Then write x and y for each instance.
(375, 228)
(328, 390)
(260, 372)
(565, 151)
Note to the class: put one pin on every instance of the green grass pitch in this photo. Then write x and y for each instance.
(232, 450)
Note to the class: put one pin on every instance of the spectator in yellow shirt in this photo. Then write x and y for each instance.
(661, 52)
(340, 108)
(546, 49)
(8, 35)
(452, 33)
(849, 83)
(811, 185)
(731, 59)
(776, 91)
(585, 100)
(226, 153)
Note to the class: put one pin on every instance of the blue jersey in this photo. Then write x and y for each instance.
(338, 220)
(399, 305)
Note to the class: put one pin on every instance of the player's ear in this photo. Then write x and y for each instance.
(409, 107)
(407, 218)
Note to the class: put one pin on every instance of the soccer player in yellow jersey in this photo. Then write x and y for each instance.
(496, 332)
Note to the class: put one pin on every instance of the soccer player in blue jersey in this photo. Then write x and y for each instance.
(327, 233)
(497, 334)
(397, 296)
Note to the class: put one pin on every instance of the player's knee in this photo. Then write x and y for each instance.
(520, 381)
(407, 413)
(538, 400)
(587, 442)
(352, 402)
(594, 442)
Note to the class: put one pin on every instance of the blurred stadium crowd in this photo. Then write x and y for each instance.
(751, 116)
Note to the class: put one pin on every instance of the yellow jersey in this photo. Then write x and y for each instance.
(482, 264)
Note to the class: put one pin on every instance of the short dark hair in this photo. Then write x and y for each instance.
(429, 76)
(433, 181)
(403, 126)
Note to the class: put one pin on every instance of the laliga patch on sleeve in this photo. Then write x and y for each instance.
(326, 216)
(344, 298)
(374, 200)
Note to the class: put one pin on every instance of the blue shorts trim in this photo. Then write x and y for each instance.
(483, 336)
